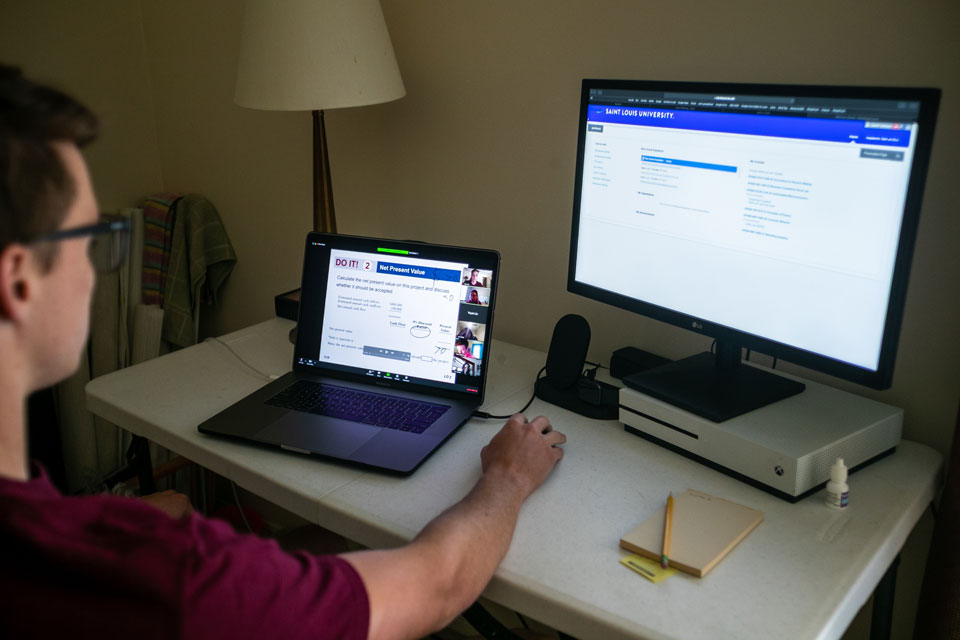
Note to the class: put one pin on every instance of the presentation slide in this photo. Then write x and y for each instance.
(395, 314)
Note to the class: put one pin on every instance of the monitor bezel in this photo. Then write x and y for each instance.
(882, 377)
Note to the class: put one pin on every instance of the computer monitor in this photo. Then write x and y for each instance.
(771, 217)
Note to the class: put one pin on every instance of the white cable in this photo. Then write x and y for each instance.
(242, 361)
(237, 500)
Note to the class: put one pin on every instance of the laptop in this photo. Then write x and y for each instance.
(391, 354)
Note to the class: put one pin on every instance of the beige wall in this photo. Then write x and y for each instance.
(94, 51)
(481, 151)
(254, 165)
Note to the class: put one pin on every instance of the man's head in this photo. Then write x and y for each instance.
(45, 287)
(36, 188)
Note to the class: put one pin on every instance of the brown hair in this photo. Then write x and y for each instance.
(36, 189)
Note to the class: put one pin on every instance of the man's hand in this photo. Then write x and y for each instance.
(418, 588)
(176, 505)
(523, 452)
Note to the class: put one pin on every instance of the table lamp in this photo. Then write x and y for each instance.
(313, 55)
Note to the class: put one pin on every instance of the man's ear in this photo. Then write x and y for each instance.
(17, 280)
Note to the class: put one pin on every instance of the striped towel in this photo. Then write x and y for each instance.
(158, 219)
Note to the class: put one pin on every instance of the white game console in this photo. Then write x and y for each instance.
(786, 448)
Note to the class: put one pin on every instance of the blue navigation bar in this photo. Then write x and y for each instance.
(689, 163)
(414, 271)
(824, 129)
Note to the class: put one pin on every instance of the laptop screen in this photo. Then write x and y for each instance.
(407, 314)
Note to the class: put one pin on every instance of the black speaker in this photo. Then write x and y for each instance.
(568, 351)
(564, 384)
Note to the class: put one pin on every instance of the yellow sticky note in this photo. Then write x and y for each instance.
(649, 569)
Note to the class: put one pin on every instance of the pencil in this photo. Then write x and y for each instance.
(667, 527)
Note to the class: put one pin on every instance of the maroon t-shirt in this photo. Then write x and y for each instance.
(113, 567)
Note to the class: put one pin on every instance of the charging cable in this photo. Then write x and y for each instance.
(486, 416)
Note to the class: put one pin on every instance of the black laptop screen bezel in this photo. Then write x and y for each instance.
(316, 266)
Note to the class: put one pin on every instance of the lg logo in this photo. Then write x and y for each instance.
(696, 325)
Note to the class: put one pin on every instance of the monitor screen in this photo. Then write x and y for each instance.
(778, 218)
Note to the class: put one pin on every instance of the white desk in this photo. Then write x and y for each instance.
(803, 573)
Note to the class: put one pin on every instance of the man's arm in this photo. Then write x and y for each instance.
(176, 505)
(424, 585)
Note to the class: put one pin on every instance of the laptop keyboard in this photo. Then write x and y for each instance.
(359, 406)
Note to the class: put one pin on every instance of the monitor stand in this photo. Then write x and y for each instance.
(714, 386)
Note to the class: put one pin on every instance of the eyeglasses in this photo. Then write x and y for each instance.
(108, 246)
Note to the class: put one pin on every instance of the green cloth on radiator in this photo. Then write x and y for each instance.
(201, 259)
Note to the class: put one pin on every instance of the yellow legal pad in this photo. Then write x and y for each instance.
(705, 529)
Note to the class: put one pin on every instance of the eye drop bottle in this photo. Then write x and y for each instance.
(837, 489)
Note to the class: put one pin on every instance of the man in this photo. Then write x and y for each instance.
(104, 566)
(473, 279)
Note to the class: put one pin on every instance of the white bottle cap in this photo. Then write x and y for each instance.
(838, 473)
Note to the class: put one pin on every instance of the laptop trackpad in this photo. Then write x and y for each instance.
(324, 435)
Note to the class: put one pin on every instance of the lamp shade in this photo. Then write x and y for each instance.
(315, 54)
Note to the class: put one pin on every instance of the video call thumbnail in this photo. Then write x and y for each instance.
(476, 277)
(469, 341)
(476, 286)
(468, 348)
(476, 296)
(467, 357)
(471, 331)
